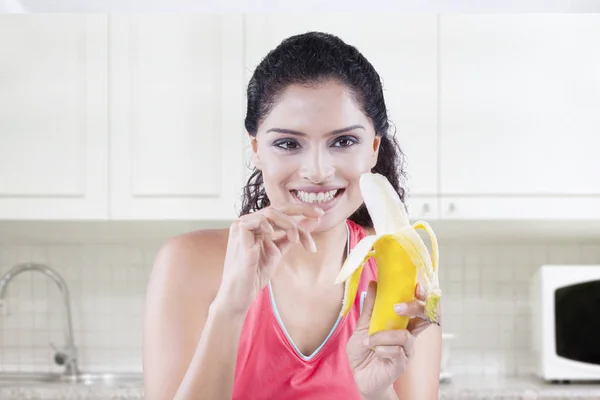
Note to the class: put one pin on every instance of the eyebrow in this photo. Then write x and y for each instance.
(335, 132)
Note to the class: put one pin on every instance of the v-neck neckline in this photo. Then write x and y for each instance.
(284, 330)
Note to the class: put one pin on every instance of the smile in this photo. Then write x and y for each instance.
(316, 197)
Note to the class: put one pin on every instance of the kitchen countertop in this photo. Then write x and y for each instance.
(458, 388)
(515, 388)
(64, 391)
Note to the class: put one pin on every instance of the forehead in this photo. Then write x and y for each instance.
(318, 108)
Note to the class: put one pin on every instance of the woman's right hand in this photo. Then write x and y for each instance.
(256, 244)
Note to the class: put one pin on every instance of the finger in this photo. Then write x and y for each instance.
(420, 292)
(247, 228)
(282, 221)
(266, 228)
(305, 227)
(271, 250)
(283, 244)
(399, 337)
(307, 218)
(418, 327)
(304, 217)
(365, 317)
(256, 222)
(255, 227)
(389, 352)
(309, 224)
(305, 210)
(417, 323)
(305, 238)
(295, 232)
(415, 308)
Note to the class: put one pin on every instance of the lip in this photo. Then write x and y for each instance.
(323, 206)
(316, 189)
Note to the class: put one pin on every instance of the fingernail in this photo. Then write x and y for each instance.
(319, 210)
(313, 246)
(400, 308)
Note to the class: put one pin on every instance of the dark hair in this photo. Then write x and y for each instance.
(309, 59)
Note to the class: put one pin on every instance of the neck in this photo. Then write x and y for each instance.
(326, 262)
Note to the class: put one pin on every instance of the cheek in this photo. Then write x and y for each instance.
(276, 171)
(351, 170)
(276, 166)
(355, 164)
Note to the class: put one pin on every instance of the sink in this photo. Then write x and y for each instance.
(23, 379)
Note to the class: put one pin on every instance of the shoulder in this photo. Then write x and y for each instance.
(207, 244)
(191, 263)
(184, 281)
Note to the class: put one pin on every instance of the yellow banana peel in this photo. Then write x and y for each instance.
(401, 255)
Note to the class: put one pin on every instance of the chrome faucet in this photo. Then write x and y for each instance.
(67, 356)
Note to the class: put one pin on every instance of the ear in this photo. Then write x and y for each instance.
(254, 151)
(376, 146)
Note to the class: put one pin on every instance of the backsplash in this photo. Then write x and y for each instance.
(485, 305)
(487, 300)
(107, 285)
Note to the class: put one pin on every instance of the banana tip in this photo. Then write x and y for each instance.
(431, 306)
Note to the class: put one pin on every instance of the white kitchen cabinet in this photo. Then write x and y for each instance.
(53, 117)
(520, 116)
(403, 49)
(176, 120)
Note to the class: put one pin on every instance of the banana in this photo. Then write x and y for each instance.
(401, 256)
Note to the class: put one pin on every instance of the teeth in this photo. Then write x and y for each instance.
(312, 197)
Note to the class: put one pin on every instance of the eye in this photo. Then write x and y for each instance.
(344, 141)
(287, 144)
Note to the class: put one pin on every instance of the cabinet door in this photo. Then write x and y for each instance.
(519, 114)
(53, 128)
(403, 49)
(176, 116)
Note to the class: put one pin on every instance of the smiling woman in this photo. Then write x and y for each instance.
(252, 312)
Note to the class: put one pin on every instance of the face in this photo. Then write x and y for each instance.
(312, 147)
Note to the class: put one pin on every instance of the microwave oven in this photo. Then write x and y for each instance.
(565, 322)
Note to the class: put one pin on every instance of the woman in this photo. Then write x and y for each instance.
(251, 312)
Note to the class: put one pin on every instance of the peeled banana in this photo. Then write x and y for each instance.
(401, 256)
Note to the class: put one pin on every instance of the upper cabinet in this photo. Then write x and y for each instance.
(403, 50)
(53, 117)
(176, 116)
(142, 116)
(520, 116)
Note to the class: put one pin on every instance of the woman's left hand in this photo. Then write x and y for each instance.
(379, 360)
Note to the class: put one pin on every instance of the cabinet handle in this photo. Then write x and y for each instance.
(451, 208)
(426, 208)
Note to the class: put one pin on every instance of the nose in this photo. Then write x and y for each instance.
(317, 166)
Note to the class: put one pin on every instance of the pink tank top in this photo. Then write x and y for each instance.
(269, 365)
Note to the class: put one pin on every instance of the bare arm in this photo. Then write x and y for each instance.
(190, 347)
(421, 379)
(211, 372)
(191, 334)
